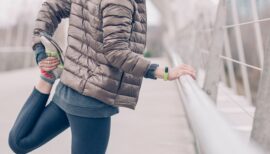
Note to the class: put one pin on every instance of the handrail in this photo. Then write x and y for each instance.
(212, 132)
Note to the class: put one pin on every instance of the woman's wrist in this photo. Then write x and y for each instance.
(159, 73)
(150, 73)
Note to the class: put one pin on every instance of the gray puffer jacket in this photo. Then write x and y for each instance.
(106, 39)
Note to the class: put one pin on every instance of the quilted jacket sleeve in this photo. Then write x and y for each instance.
(49, 16)
(117, 22)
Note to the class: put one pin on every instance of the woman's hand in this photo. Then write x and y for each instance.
(176, 72)
(49, 64)
(181, 70)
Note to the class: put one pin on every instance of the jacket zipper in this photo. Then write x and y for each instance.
(119, 86)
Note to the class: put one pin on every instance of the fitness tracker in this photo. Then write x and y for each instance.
(166, 74)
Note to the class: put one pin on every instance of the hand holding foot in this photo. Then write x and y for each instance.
(47, 66)
(49, 58)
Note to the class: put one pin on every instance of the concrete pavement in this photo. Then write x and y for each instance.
(158, 126)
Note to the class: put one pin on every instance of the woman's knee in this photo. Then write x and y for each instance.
(15, 143)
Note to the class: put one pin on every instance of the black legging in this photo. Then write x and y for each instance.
(37, 124)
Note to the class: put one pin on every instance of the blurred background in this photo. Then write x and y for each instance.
(16, 28)
(187, 27)
(189, 22)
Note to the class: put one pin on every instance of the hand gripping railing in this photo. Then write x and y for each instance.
(212, 132)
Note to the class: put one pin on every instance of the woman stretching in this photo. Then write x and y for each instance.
(103, 70)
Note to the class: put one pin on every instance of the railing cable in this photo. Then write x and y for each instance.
(235, 61)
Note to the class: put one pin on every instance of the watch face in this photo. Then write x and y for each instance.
(166, 69)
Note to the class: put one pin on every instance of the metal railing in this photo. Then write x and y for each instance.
(212, 132)
(240, 53)
(244, 62)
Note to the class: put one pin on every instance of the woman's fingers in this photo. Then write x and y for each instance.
(191, 70)
(49, 64)
(188, 67)
(187, 70)
(47, 69)
(49, 60)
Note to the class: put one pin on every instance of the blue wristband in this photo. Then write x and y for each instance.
(150, 73)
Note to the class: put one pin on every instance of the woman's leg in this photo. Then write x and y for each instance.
(44, 87)
(36, 124)
(89, 135)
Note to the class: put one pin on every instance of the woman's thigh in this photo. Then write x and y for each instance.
(89, 135)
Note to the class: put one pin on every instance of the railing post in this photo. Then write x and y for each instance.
(240, 50)
(214, 62)
(258, 32)
(228, 54)
(261, 126)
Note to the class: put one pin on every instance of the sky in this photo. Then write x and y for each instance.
(10, 9)
(5, 6)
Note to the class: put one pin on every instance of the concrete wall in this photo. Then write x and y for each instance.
(16, 60)
(19, 59)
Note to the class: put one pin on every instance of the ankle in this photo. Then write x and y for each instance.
(47, 77)
(44, 87)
